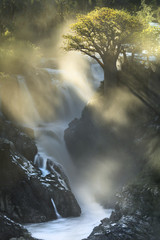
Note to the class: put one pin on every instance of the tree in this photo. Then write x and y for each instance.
(103, 34)
(148, 43)
(146, 13)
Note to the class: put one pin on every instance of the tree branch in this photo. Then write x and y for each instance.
(94, 57)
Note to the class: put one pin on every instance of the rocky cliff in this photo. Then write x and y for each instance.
(125, 129)
(137, 211)
(26, 196)
(107, 141)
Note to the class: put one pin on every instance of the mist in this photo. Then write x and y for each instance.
(56, 86)
(93, 149)
(44, 84)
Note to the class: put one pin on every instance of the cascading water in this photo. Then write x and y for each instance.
(27, 109)
(51, 145)
(70, 228)
(55, 208)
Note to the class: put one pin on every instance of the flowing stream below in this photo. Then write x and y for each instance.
(51, 145)
(70, 228)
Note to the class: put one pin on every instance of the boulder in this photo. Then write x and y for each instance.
(26, 196)
(136, 214)
(9, 230)
(23, 139)
(106, 146)
(125, 229)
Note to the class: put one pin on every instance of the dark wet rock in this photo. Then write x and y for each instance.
(9, 230)
(53, 168)
(98, 140)
(125, 229)
(96, 134)
(25, 195)
(23, 142)
(136, 215)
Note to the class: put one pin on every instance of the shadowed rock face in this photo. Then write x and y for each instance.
(104, 142)
(136, 214)
(9, 230)
(24, 144)
(25, 196)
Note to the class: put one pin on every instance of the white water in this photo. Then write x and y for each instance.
(70, 228)
(55, 209)
(27, 109)
(51, 145)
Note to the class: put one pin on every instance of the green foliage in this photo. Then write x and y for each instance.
(15, 55)
(147, 44)
(150, 40)
(36, 19)
(146, 13)
(32, 15)
(103, 31)
(157, 14)
(40, 17)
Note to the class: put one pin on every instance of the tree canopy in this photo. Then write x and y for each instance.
(103, 34)
(41, 17)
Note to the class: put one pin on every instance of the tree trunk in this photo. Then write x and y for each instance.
(132, 57)
(110, 74)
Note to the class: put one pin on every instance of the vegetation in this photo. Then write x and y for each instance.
(17, 55)
(103, 35)
(40, 17)
(145, 14)
(31, 21)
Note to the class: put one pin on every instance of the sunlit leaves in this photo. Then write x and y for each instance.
(103, 32)
(145, 14)
(149, 41)
(17, 53)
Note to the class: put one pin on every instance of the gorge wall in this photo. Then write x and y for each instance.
(26, 195)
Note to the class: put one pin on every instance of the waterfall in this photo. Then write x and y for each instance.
(68, 103)
(55, 209)
(71, 96)
(50, 136)
(40, 161)
(27, 111)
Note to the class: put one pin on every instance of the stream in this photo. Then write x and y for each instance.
(70, 228)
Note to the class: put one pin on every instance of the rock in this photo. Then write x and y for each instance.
(23, 143)
(25, 195)
(125, 229)
(100, 143)
(53, 168)
(136, 215)
(9, 230)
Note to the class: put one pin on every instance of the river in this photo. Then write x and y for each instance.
(70, 228)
